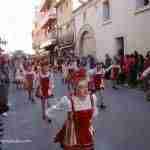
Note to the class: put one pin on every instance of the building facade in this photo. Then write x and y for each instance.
(108, 26)
(65, 26)
(44, 32)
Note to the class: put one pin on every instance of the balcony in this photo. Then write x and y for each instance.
(67, 38)
(48, 39)
(45, 17)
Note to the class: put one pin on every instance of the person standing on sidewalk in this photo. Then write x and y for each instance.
(146, 77)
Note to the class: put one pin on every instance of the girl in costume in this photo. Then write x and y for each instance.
(45, 87)
(77, 132)
(19, 78)
(115, 70)
(29, 82)
(97, 79)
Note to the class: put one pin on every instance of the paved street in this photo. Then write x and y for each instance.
(123, 126)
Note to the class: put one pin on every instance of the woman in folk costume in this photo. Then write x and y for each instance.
(77, 132)
(29, 82)
(115, 70)
(45, 87)
(97, 80)
(19, 78)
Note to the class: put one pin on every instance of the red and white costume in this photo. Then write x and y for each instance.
(77, 132)
(19, 76)
(71, 71)
(29, 79)
(115, 70)
(46, 85)
(97, 78)
(78, 75)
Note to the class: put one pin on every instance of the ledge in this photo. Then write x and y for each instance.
(107, 22)
(142, 9)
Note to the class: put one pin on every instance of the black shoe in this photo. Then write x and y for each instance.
(33, 100)
(51, 96)
(102, 106)
(49, 121)
(114, 87)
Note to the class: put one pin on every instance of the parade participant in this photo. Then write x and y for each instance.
(77, 132)
(71, 71)
(115, 70)
(146, 77)
(97, 77)
(79, 73)
(45, 87)
(19, 78)
(64, 72)
(29, 82)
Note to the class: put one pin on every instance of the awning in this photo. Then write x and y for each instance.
(48, 43)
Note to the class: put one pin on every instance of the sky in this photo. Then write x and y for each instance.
(16, 23)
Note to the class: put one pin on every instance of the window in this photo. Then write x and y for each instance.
(84, 16)
(142, 3)
(67, 4)
(106, 10)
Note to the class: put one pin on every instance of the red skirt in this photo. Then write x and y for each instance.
(77, 135)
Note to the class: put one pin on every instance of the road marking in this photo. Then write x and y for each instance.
(16, 141)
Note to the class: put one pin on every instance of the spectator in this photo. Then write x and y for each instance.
(108, 61)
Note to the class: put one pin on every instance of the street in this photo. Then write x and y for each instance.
(124, 125)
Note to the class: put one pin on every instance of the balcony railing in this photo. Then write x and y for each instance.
(67, 38)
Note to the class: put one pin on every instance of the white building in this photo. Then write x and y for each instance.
(105, 26)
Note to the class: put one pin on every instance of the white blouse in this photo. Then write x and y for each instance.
(64, 106)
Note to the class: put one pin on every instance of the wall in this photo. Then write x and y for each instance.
(134, 27)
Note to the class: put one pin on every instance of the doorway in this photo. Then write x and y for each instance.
(120, 45)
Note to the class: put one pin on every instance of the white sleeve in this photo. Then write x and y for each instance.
(146, 72)
(95, 106)
(109, 68)
(62, 106)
